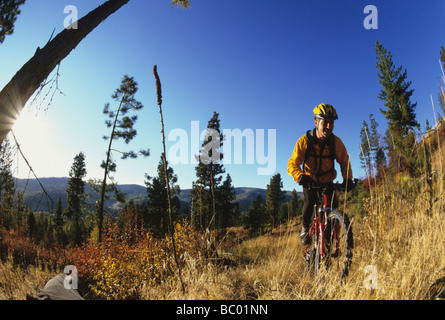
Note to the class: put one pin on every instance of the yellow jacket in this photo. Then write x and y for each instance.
(311, 167)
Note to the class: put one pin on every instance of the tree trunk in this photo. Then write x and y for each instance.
(27, 80)
(100, 212)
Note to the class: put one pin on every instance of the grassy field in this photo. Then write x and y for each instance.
(399, 253)
(407, 253)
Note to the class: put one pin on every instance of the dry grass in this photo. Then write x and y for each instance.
(406, 246)
(408, 254)
(401, 238)
(15, 282)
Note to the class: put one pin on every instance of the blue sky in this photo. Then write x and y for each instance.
(259, 64)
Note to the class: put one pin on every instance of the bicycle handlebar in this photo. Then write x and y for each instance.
(337, 186)
(342, 186)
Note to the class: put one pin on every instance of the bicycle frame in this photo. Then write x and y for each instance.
(317, 230)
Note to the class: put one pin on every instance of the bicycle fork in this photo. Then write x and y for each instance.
(317, 230)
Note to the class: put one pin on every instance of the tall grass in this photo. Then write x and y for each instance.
(402, 238)
(16, 282)
(401, 241)
(408, 255)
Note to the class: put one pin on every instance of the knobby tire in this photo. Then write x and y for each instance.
(339, 255)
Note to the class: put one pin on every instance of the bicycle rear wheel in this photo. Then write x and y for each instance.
(339, 242)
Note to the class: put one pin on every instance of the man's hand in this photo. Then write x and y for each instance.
(305, 181)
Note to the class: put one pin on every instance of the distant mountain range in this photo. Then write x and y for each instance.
(56, 188)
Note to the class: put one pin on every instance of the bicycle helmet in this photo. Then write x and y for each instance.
(325, 111)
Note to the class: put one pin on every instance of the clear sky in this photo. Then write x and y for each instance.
(259, 64)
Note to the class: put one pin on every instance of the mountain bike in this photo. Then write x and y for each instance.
(330, 235)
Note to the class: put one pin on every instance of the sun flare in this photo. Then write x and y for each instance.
(33, 133)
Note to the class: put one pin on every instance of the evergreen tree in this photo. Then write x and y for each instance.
(200, 200)
(20, 210)
(158, 212)
(226, 205)
(31, 225)
(372, 156)
(58, 223)
(295, 204)
(274, 197)
(122, 127)
(9, 10)
(7, 188)
(208, 172)
(400, 111)
(75, 195)
(256, 217)
(365, 151)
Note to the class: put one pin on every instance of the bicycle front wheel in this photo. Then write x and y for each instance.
(339, 242)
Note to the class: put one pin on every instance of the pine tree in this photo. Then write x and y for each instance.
(75, 195)
(158, 211)
(31, 225)
(365, 152)
(274, 197)
(7, 188)
(372, 156)
(295, 204)
(400, 111)
(256, 217)
(20, 210)
(122, 127)
(9, 10)
(58, 223)
(283, 213)
(226, 205)
(208, 172)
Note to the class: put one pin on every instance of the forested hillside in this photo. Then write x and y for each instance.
(34, 197)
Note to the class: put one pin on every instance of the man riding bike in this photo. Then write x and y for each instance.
(312, 161)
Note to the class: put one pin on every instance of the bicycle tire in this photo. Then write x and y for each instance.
(311, 251)
(313, 255)
(340, 252)
(317, 258)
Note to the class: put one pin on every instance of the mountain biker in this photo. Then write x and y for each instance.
(312, 161)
